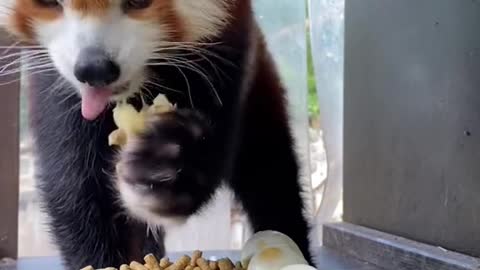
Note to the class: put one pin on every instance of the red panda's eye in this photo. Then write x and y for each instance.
(48, 3)
(136, 4)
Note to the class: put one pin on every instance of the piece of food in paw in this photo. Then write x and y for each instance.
(131, 122)
(117, 137)
(161, 105)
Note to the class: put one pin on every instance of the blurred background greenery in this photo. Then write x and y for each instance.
(313, 108)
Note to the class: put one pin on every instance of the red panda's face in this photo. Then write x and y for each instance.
(111, 38)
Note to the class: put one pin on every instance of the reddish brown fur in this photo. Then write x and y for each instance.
(90, 7)
(163, 12)
(25, 12)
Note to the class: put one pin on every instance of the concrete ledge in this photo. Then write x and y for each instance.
(392, 252)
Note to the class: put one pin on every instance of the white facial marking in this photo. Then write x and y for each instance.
(130, 43)
(203, 18)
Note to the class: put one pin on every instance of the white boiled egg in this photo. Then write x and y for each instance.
(267, 239)
(274, 258)
(298, 267)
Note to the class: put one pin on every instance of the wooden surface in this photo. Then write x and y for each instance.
(9, 160)
(412, 120)
(392, 252)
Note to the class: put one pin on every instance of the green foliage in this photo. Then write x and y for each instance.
(313, 108)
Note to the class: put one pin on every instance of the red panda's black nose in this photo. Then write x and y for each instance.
(95, 68)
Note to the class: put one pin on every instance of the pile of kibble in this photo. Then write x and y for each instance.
(195, 262)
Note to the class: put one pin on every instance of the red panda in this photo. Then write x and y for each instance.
(231, 126)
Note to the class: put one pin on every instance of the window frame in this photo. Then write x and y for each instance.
(9, 156)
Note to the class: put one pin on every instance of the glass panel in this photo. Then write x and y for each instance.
(327, 39)
(283, 23)
(33, 239)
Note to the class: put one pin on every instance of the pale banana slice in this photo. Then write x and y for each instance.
(131, 122)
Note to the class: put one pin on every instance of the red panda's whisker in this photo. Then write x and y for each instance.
(180, 64)
(178, 67)
(201, 57)
(18, 79)
(27, 47)
(200, 71)
(58, 88)
(28, 61)
(206, 53)
(189, 91)
(189, 43)
(215, 68)
(147, 92)
(196, 50)
(20, 54)
(27, 66)
(25, 61)
(161, 86)
(191, 64)
(56, 85)
(31, 64)
(8, 48)
(35, 70)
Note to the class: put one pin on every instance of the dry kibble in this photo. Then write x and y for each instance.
(196, 262)
(197, 254)
(137, 266)
(203, 264)
(151, 262)
(213, 265)
(238, 266)
(225, 264)
(165, 262)
(181, 263)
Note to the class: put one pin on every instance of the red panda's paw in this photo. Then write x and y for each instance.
(160, 175)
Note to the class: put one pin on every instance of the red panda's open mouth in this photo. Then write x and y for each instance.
(96, 100)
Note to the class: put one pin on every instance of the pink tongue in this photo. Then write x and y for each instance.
(94, 102)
